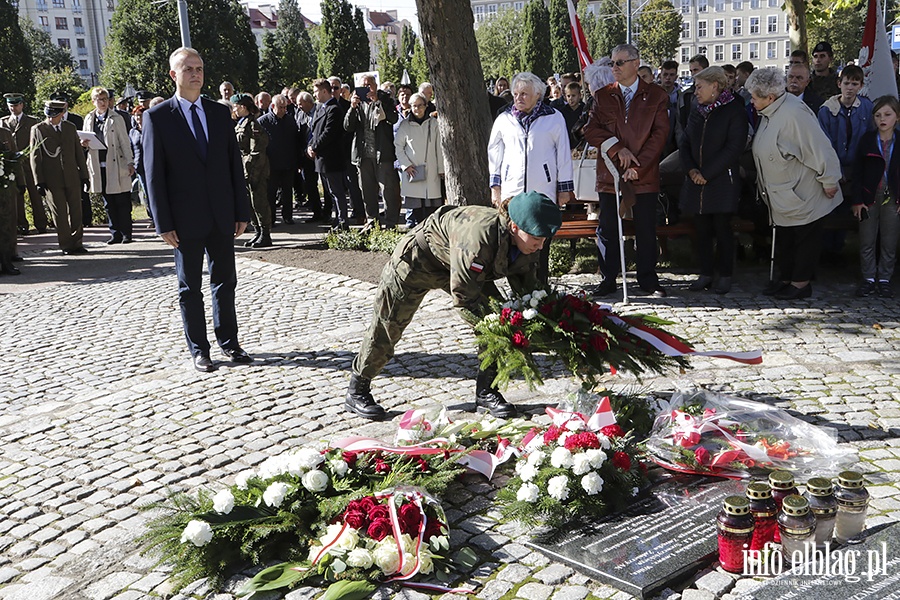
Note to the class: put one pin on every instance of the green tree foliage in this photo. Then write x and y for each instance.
(500, 44)
(16, 74)
(418, 65)
(606, 29)
(660, 31)
(408, 39)
(45, 55)
(143, 35)
(343, 43)
(48, 82)
(287, 57)
(390, 64)
(536, 53)
(841, 25)
(564, 58)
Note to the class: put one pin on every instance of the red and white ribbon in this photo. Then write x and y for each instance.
(602, 416)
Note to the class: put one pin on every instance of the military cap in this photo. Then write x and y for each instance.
(59, 96)
(54, 107)
(823, 47)
(535, 214)
(14, 98)
(143, 95)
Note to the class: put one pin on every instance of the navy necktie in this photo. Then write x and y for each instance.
(198, 131)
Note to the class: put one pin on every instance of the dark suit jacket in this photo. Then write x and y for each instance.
(187, 194)
(328, 138)
(76, 120)
(812, 99)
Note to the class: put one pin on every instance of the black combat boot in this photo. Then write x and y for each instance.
(264, 240)
(489, 399)
(360, 401)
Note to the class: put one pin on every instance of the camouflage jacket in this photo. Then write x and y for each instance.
(473, 244)
(252, 142)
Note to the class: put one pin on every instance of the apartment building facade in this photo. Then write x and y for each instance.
(79, 26)
(732, 31)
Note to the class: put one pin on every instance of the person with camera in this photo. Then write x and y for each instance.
(370, 119)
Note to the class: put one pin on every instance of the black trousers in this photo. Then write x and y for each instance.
(118, 211)
(797, 250)
(715, 228)
(645, 239)
(281, 189)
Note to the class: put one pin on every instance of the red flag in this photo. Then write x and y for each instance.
(875, 57)
(581, 45)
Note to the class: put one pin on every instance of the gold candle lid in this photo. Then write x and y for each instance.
(819, 486)
(759, 490)
(850, 479)
(781, 480)
(737, 505)
(795, 505)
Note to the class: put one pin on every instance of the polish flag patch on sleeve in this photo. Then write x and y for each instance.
(476, 267)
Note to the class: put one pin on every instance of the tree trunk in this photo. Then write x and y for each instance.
(796, 10)
(449, 39)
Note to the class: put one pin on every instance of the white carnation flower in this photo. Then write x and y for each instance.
(604, 441)
(275, 493)
(199, 533)
(339, 466)
(534, 302)
(592, 483)
(539, 294)
(529, 492)
(315, 480)
(561, 458)
(273, 467)
(575, 425)
(528, 473)
(303, 460)
(581, 463)
(241, 479)
(360, 558)
(529, 313)
(597, 457)
(536, 458)
(223, 502)
(558, 487)
(409, 562)
(426, 562)
(561, 440)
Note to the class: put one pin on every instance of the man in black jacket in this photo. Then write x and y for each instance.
(284, 141)
(327, 149)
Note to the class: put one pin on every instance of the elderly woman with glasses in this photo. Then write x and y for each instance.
(797, 174)
(418, 146)
(529, 151)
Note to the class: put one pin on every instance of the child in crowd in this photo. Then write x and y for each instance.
(875, 202)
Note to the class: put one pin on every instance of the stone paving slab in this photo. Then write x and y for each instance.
(102, 412)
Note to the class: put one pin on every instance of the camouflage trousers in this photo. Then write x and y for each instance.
(8, 221)
(410, 274)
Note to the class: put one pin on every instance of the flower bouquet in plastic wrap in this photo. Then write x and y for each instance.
(711, 434)
(582, 465)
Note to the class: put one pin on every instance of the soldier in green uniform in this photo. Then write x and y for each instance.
(8, 192)
(20, 125)
(252, 142)
(461, 250)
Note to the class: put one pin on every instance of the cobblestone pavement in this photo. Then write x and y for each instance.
(101, 412)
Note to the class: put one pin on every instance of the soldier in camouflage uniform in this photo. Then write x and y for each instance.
(461, 250)
(9, 190)
(252, 142)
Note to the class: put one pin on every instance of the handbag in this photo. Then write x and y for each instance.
(419, 175)
(585, 175)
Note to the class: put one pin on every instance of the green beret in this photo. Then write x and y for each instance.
(535, 214)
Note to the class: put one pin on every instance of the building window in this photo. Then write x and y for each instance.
(754, 4)
(80, 46)
(753, 51)
(772, 24)
(42, 4)
(518, 5)
(720, 5)
(59, 3)
(76, 6)
(702, 6)
(479, 14)
(685, 30)
(719, 52)
(685, 54)
(62, 23)
(787, 48)
(754, 25)
(736, 52)
(773, 4)
(736, 26)
(82, 64)
(492, 10)
(737, 4)
(701, 29)
(64, 43)
(771, 51)
(685, 7)
(76, 23)
(720, 27)
(505, 6)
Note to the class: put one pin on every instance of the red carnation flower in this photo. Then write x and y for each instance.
(349, 458)
(552, 434)
(379, 529)
(612, 431)
(379, 512)
(423, 466)
(516, 319)
(621, 461)
(519, 340)
(504, 315)
(356, 519)
(583, 440)
(702, 456)
(410, 518)
(381, 466)
(599, 343)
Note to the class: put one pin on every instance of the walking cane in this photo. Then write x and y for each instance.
(772, 257)
(604, 149)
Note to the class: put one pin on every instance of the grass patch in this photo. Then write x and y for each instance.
(373, 240)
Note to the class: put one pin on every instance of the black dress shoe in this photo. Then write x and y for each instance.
(42, 230)
(606, 287)
(113, 240)
(792, 292)
(17, 258)
(204, 364)
(237, 355)
(127, 240)
(79, 250)
(774, 287)
(288, 221)
(7, 268)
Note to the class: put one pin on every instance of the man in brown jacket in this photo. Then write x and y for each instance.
(630, 122)
(60, 172)
(20, 125)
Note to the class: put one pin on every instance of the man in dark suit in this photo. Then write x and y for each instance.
(326, 147)
(199, 201)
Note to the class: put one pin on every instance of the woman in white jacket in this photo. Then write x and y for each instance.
(529, 151)
(418, 146)
(110, 170)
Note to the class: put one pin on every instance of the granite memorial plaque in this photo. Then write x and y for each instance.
(868, 570)
(668, 534)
